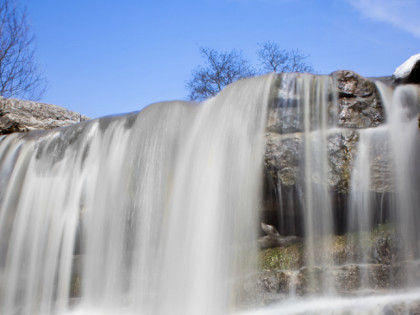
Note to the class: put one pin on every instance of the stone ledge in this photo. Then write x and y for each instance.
(23, 116)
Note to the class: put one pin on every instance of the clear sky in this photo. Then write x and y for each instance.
(105, 57)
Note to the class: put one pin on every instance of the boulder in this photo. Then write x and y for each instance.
(359, 104)
(274, 239)
(22, 116)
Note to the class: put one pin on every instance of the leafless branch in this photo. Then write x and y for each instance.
(221, 69)
(273, 58)
(19, 72)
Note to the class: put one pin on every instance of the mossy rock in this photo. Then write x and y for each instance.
(380, 246)
(281, 258)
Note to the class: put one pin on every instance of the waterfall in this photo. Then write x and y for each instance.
(150, 213)
(359, 183)
(158, 212)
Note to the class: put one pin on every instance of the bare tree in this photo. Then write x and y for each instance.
(273, 58)
(221, 69)
(20, 75)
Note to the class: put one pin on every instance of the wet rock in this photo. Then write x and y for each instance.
(350, 83)
(267, 286)
(76, 276)
(75, 286)
(284, 162)
(283, 171)
(379, 276)
(347, 279)
(22, 116)
(285, 175)
(382, 174)
(359, 104)
(412, 308)
(282, 258)
(286, 114)
(274, 239)
(262, 288)
(285, 117)
(350, 262)
(282, 157)
(342, 148)
(381, 251)
(406, 273)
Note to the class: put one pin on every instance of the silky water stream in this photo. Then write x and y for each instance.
(158, 212)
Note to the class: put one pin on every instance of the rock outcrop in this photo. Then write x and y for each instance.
(370, 261)
(349, 260)
(359, 104)
(409, 71)
(22, 116)
(351, 104)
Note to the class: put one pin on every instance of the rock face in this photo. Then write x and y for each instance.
(347, 259)
(22, 116)
(358, 101)
(370, 261)
(352, 103)
(348, 104)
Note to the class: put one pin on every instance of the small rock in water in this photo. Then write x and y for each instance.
(274, 239)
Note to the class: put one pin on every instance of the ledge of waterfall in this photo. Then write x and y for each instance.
(283, 271)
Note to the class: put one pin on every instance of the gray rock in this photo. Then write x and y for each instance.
(265, 287)
(359, 104)
(354, 109)
(282, 157)
(274, 239)
(285, 174)
(22, 116)
(273, 286)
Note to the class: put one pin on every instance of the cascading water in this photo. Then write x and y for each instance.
(157, 212)
(376, 251)
(144, 214)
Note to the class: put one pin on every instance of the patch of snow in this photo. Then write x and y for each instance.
(405, 69)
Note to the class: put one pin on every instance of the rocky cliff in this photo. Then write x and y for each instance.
(376, 258)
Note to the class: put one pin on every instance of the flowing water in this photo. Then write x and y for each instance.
(157, 212)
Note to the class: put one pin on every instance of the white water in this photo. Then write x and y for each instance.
(403, 111)
(367, 305)
(383, 189)
(397, 142)
(163, 205)
(157, 213)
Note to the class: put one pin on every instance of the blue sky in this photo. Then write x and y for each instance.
(106, 57)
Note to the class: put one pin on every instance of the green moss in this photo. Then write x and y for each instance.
(338, 249)
(382, 230)
(280, 258)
